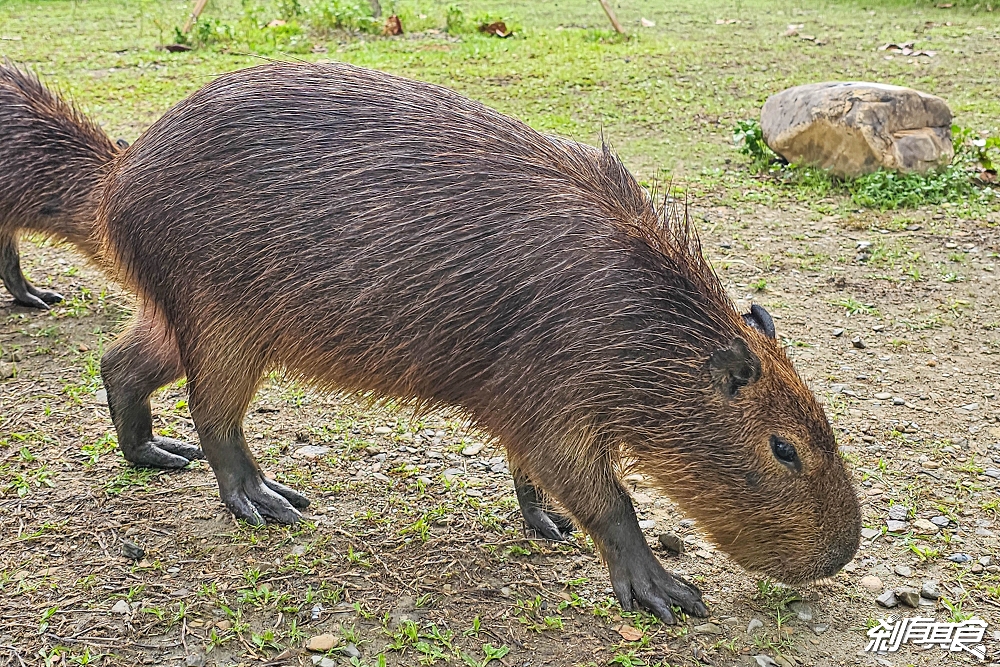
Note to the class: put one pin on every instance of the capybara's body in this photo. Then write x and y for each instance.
(370, 233)
(52, 161)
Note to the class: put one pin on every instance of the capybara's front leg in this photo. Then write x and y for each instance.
(636, 575)
(143, 359)
(24, 293)
(581, 478)
(537, 516)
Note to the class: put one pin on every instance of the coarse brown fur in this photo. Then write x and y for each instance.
(52, 160)
(370, 233)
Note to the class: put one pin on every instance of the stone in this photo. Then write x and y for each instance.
(924, 526)
(870, 533)
(7, 370)
(322, 643)
(930, 590)
(908, 596)
(382, 430)
(121, 607)
(194, 660)
(708, 629)
(871, 583)
(473, 449)
(671, 543)
(887, 599)
(898, 513)
(855, 128)
(754, 624)
(903, 570)
(858, 343)
(351, 651)
(101, 398)
(802, 611)
(132, 551)
(895, 526)
(765, 661)
(819, 628)
(647, 524)
(883, 396)
(310, 452)
(327, 662)
(960, 558)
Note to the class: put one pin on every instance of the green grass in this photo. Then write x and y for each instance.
(667, 98)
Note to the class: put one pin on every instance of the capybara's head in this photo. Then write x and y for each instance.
(756, 463)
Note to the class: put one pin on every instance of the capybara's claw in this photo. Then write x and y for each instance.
(548, 525)
(29, 300)
(47, 296)
(656, 590)
(162, 453)
(262, 500)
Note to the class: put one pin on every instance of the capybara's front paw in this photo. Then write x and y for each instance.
(649, 586)
(161, 453)
(260, 500)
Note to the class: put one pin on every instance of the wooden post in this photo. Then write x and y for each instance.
(195, 13)
(611, 15)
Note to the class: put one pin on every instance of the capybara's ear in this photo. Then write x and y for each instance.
(733, 367)
(760, 319)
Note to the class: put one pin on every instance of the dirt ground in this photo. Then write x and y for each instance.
(414, 551)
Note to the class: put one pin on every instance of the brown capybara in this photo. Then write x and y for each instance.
(369, 233)
(52, 160)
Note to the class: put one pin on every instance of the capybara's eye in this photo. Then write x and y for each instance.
(785, 452)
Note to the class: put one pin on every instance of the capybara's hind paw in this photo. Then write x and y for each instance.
(48, 296)
(548, 525)
(656, 590)
(162, 453)
(260, 500)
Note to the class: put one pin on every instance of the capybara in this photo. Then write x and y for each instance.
(52, 161)
(365, 232)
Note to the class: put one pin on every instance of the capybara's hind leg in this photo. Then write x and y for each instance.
(217, 406)
(24, 293)
(583, 482)
(143, 359)
(548, 524)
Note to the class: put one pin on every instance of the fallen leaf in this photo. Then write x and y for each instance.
(946, 5)
(629, 633)
(11, 38)
(497, 29)
(275, 23)
(808, 38)
(177, 48)
(393, 26)
(725, 21)
(793, 29)
(646, 23)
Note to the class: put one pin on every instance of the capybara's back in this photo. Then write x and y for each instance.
(372, 233)
(52, 160)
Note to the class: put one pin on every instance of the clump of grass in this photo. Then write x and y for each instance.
(974, 166)
(348, 15)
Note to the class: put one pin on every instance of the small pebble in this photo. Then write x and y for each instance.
(960, 558)
(351, 651)
(820, 628)
(895, 526)
(322, 643)
(708, 629)
(647, 524)
(883, 396)
(121, 607)
(887, 599)
(871, 582)
(132, 551)
(903, 570)
(383, 430)
(930, 591)
(802, 610)
(898, 513)
(924, 526)
(858, 343)
(101, 398)
(672, 543)
(473, 449)
(870, 533)
(837, 333)
(754, 624)
(908, 596)
(765, 661)
(310, 452)
(194, 660)
(940, 521)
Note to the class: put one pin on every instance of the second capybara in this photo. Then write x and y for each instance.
(369, 233)
(52, 161)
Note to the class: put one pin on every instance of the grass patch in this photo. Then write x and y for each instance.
(971, 175)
